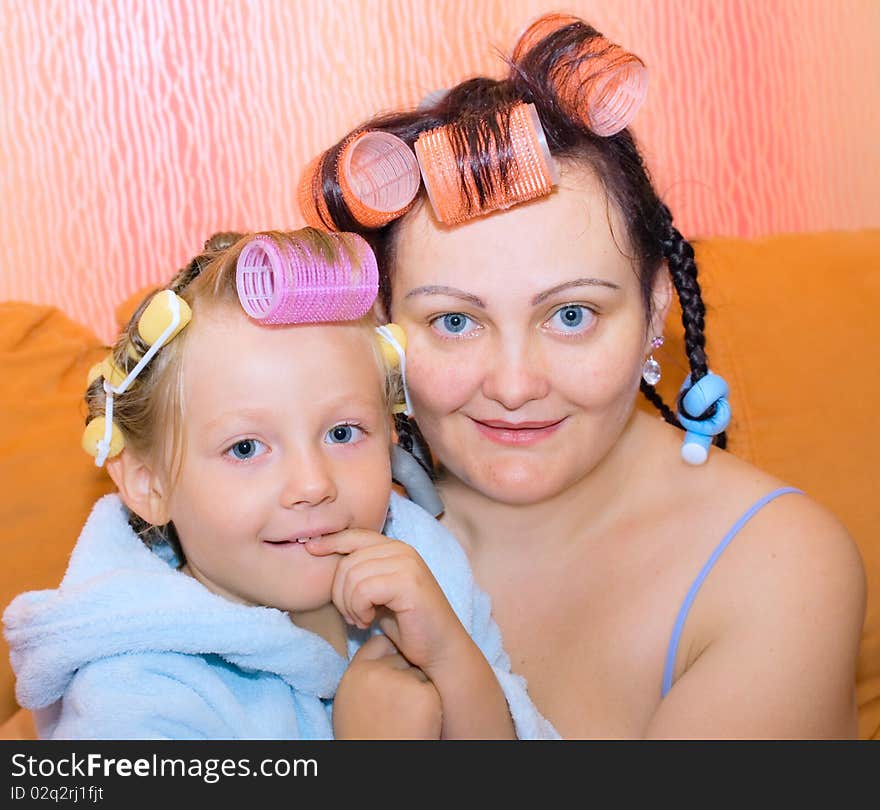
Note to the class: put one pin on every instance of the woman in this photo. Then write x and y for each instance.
(640, 592)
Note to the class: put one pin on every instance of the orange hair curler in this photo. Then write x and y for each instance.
(311, 196)
(453, 193)
(377, 174)
(602, 85)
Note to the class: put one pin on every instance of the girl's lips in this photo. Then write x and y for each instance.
(517, 434)
(299, 539)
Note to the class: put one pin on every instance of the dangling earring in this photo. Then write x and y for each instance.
(651, 369)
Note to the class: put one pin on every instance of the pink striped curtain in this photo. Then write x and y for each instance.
(130, 130)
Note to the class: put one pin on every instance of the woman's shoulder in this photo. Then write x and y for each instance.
(778, 510)
(770, 531)
(779, 521)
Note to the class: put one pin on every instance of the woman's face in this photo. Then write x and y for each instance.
(526, 337)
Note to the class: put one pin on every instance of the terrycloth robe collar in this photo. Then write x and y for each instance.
(120, 597)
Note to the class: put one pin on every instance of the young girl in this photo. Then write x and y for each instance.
(672, 590)
(193, 607)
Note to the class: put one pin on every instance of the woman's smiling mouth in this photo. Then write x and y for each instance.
(517, 434)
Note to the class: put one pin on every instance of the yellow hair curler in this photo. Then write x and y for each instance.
(94, 435)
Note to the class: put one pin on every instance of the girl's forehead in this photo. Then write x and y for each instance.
(226, 349)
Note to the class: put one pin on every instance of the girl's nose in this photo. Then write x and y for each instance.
(308, 481)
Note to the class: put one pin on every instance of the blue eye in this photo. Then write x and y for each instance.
(453, 323)
(572, 318)
(246, 449)
(343, 434)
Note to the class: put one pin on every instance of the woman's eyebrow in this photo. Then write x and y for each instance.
(434, 289)
(578, 282)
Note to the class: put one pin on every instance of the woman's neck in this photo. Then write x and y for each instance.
(485, 526)
(327, 622)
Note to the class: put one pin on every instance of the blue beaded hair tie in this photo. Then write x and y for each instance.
(700, 397)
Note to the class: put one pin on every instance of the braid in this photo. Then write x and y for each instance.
(657, 401)
(410, 439)
(679, 255)
(214, 244)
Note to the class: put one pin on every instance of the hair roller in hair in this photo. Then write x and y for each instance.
(95, 434)
(453, 193)
(539, 29)
(377, 174)
(311, 196)
(600, 83)
(159, 314)
(299, 281)
(379, 177)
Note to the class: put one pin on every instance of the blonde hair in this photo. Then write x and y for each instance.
(150, 412)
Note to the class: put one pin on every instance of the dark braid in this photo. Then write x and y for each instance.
(679, 255)
(657, 401)
(410, 438)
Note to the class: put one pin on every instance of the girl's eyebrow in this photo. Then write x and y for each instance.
(434, 289)
(578, 282)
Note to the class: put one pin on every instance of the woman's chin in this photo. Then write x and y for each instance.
(516, 483)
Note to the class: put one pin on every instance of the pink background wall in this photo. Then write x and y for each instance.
(132, 129)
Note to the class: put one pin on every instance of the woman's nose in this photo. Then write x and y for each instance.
(515, 376)
(308, 480)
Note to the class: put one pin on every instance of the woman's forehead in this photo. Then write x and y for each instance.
(574, 232)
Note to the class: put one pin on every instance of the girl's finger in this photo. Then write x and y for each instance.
(348, 581)
(345, 542)
(369, 592)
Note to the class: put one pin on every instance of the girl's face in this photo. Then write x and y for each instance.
(526, 337)
(286, 436)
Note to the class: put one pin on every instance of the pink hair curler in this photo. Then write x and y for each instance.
(294, 281)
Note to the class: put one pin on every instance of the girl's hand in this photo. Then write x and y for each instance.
(381, 696)
(388, 582)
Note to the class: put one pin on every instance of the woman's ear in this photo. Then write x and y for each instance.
(140, 488)
(661, 300)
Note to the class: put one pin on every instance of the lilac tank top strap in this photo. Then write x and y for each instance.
(704, 572)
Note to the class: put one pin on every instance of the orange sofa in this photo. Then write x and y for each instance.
(789, 326)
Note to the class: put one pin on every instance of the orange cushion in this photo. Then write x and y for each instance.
(791, 324)
(49, 483)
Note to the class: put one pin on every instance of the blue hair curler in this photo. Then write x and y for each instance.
(702, 395)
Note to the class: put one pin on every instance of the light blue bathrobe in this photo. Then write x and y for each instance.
(130, 648)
